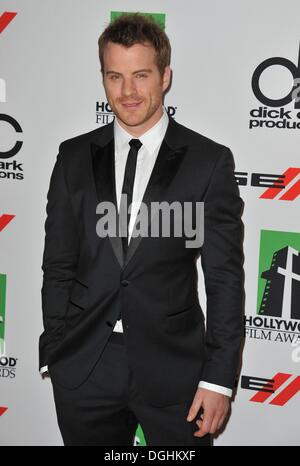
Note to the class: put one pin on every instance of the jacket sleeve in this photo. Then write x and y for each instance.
(222, 263)
(61, 251)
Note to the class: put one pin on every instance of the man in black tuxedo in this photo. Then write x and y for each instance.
(125, 340)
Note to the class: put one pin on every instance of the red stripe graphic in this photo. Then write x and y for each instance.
(283, 397)
(279, 379)
(5, 19)
(2, 410)
(4, 220)
(291, 193)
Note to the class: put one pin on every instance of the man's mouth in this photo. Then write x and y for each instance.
(131, 105)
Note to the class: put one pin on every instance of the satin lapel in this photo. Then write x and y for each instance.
(103, 161)
(165, 168)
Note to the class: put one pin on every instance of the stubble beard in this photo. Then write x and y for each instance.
(139, 120)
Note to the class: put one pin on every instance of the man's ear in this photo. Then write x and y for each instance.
(166, 78)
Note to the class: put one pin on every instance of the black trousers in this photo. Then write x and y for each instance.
(107, 408)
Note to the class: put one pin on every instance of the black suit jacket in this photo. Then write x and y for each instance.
(87, 282)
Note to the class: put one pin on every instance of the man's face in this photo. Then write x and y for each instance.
(134, 86)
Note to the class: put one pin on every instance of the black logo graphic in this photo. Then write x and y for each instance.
(18, 129)
(294, 70)
(282, 290)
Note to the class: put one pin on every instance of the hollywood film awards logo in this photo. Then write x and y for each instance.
(105, 115)
(5, 219)
(139, 440)
(8, 364)
(2, 313)
(278, 298)
(273, 112)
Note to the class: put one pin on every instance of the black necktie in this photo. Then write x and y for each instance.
(127, 190)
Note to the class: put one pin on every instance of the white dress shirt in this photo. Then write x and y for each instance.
(151, 142)
(146, 158)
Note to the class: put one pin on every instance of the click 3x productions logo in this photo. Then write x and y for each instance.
(278, 297)
(273, 113)
(12, 170)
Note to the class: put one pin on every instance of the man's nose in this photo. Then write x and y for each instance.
(128, 87)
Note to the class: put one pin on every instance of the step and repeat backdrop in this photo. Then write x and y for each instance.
(236, 79)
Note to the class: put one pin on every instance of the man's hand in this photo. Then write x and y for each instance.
(215, 409)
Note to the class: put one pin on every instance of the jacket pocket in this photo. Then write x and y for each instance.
(79, 294)
(184, 319)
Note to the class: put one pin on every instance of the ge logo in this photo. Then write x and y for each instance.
(292, 95)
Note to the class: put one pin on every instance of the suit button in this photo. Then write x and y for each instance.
(125, 282)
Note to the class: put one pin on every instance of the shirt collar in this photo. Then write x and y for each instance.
(151, 139)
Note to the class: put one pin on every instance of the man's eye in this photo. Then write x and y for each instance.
(141, 75)
(114, 77)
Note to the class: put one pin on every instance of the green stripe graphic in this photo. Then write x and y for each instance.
(160, 18)
(2, 311)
